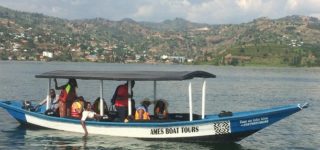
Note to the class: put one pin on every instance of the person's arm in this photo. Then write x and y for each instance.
(40, 104)
(97, 116)
(84, 128)
(131, 96)
(165, 114)
(43, 102)
(56, 85)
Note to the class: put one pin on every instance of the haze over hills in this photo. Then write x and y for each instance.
(292, 40)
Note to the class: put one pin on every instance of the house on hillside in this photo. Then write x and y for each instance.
(92, 58)
(174, 59)
(229, 59)
(47, 54)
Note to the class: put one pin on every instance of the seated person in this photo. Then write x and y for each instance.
(142, 110)
(88, 113)
(96, 106)
(160, 109)
(54, 107)
(77, 107)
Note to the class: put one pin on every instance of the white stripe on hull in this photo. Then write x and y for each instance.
(214, 128)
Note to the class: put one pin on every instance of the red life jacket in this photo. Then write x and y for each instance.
(68, 93)
(64, 93)
(122, 96)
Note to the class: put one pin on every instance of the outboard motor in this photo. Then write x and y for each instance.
(27, 106)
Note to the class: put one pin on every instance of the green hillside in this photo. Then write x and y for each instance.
(288, 41)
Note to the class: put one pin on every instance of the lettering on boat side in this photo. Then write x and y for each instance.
(255, 121)
(222, 127)
(183, 130)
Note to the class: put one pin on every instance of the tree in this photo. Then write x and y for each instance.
(242, 50)
(234, 62)
(4, 55)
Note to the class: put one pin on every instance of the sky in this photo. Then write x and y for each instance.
(199, 11)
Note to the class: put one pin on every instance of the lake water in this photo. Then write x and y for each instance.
(234, 89)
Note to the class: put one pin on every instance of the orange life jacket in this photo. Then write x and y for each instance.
(145, 115)
(74, 112)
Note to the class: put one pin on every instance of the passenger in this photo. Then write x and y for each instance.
(142, 111)
(77, 107)
(67, 96)
(54, 107)
(88, 113)
(120, 99)
(161, 109)
(96, 106)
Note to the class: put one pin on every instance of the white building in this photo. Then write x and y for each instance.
(47, 54)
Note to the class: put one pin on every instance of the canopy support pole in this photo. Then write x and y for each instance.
(48, 95)
(101, 98)
(203, 97)
(190, 102)
(129, 98)
(154, 91)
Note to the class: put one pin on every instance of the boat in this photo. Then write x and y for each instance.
(185, 126)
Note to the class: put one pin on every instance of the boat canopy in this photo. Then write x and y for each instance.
(127, 75)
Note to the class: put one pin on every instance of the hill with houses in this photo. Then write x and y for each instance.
(288, 41)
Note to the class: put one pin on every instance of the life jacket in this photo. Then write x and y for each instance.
(64, 93)
(74, 107)
(146, 115)
(122, 96)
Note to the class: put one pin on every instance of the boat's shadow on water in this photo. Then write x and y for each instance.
(31, 137)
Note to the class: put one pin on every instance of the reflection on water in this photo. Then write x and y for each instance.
(33, 138)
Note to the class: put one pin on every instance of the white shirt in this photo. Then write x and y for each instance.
(87, 114)
(54, 102)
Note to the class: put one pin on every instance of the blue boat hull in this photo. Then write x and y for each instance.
(211, 129)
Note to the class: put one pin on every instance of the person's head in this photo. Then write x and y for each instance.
(146, 102)
(80, 98)
(88, 106)
(160, 104)
(52, 93)
(98, 99)
(73, 82)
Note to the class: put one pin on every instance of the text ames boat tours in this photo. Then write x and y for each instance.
(226, 126)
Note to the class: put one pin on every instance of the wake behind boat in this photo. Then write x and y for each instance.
(226, 126)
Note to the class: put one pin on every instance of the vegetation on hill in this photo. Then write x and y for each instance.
(288, 41)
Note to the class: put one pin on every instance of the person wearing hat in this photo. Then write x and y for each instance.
(142, 111)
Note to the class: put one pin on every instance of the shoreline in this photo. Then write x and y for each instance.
(185, 64)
